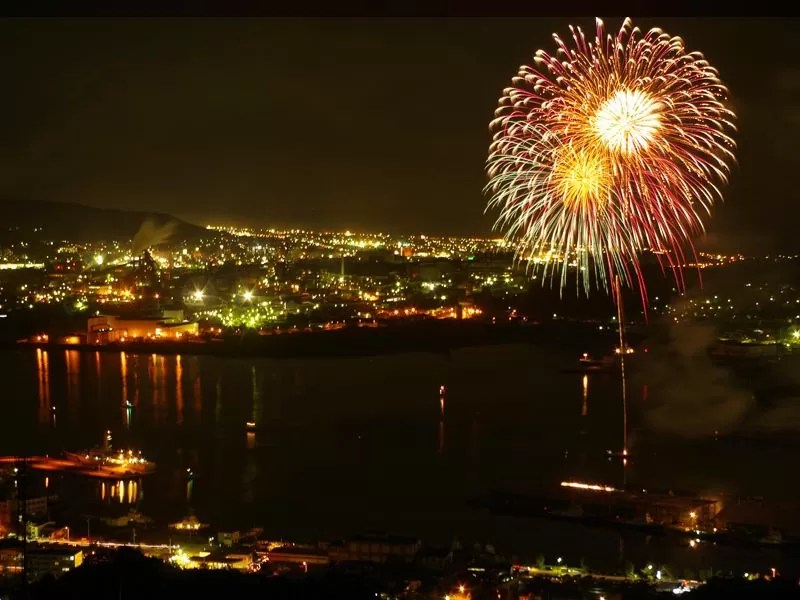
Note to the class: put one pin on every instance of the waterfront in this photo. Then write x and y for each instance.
(353, 444)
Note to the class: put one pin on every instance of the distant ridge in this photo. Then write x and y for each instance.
(79, 223)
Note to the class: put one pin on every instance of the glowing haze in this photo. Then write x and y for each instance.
(609, 148)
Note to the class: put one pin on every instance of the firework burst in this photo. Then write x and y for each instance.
(608, 149)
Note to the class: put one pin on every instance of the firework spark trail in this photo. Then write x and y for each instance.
(608, 149)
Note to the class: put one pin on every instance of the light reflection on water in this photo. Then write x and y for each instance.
(122, 491)
(43, 380)
(338, 438)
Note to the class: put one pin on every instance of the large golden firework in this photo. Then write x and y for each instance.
(608, 149)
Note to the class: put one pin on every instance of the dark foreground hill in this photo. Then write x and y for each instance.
(41, 220)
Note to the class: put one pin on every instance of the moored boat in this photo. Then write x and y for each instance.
(126, 462)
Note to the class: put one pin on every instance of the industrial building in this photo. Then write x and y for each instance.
(105, 329)
(375, 548)
(299, 556)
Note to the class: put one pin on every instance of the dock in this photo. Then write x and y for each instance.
(67, 465)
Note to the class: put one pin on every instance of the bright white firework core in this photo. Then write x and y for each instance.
(627, 121)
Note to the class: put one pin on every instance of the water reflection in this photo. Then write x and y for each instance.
(43, 377)
(249, 477)
(198, 401)
(98, 371)
(121, 491)
(73, 360)
(440, 434)
(218, 400)
(123, 366)
(258, 406)
(522, 421)
(474, 436)
(178, 389)
(157, 377)
(585, 405)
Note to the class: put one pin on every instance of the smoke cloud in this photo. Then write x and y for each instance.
(151, 234)
(690, 396)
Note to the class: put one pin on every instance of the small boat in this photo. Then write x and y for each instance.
(606, 363)
(618, 454)
(251, 426)
(189, 524)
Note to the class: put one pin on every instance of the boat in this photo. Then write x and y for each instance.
(603, 506)
(251, 426)
(604, 364)
(189, 524)
(127, 462)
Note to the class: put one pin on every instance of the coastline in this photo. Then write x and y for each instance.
(437, 337)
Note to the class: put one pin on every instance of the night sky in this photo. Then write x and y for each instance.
(372, 124)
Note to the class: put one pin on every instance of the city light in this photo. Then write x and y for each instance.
(588, 486)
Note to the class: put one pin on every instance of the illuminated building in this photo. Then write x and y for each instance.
(228, 538)
(52, 561)
(207, 560)
(106, 329)
(10, 556)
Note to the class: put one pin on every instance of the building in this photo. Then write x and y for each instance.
(52, 561)
(40, 530)
(106, 329)
(378, 548)
(34, 507)
(207, 560)
(228, 538)
(668, 509)
(299, 556)
(10, 556)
